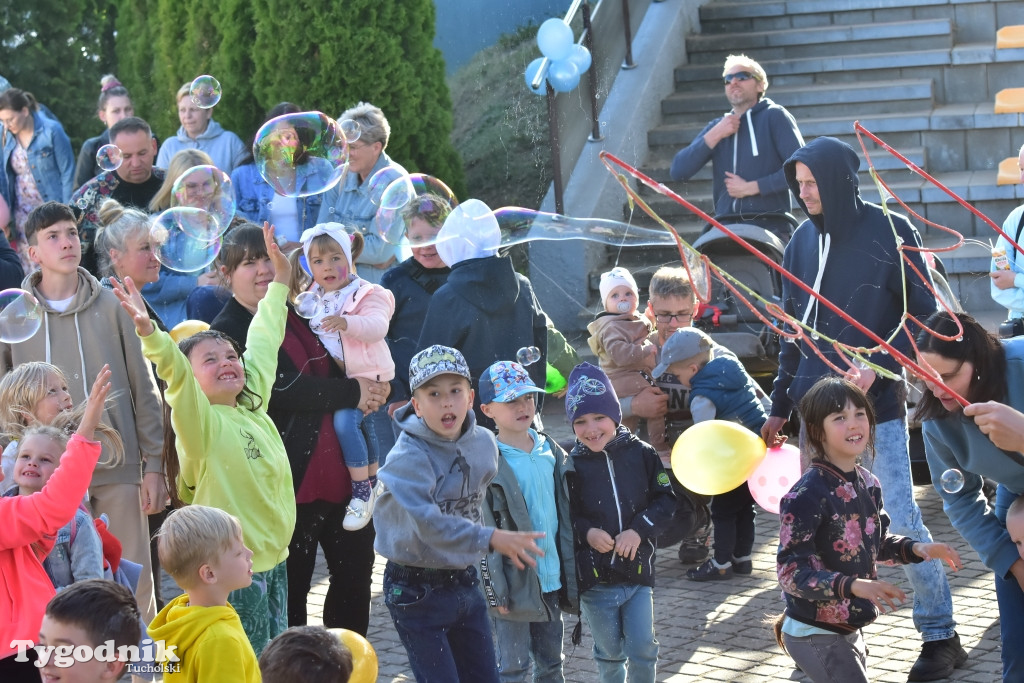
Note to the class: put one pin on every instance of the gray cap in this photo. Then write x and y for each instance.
(686, 342)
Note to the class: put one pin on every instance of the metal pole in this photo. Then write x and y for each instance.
(588, 42)
(556, 157)
(629, 63)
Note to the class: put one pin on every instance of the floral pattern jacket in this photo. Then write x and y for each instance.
(833, 530)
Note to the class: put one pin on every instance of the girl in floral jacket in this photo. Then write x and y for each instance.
(833, 532)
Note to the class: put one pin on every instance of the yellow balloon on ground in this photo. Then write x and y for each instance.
(716, 456)
(186, 328)
(364, 657)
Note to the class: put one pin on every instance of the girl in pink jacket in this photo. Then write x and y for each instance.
(351, 316)
(27, 534)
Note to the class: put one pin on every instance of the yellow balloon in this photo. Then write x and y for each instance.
(716, 456)
(364, 657)
(186, 328)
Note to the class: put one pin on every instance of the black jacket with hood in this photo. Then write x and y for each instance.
(863, 274)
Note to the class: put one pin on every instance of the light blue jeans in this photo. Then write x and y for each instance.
(933, 604)
(347, 422)
(518, 642)
(621, 620)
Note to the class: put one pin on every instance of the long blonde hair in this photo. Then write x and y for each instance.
(179, 163)
(24, 387)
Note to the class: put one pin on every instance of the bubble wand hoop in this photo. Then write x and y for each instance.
(925, 374)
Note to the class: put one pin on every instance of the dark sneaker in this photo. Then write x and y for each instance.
(694, 549)
(709, 572)
(744, 567)
(938, 659)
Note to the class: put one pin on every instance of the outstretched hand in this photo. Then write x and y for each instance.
(518, 546)
(282, 267)
(880, 593)
(939, 551)
(94, 404)
(131, 301)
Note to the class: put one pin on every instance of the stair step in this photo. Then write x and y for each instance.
(753, 10)
(896, 36)
(806, 101)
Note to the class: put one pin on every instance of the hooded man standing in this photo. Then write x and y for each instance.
(746, 147)
(848, 251)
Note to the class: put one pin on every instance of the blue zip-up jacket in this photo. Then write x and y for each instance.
(863, 275)
(50, 157)
(622, 487)
(768, 135)
(724, 382)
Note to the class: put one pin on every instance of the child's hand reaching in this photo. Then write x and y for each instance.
(517, 546)
(94, 404)
(282, 268)
(131, 301)
(880, 593)
(939, 551)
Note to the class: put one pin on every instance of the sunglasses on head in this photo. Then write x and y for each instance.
(738, 76)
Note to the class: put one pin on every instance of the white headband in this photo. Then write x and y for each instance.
(335, 230)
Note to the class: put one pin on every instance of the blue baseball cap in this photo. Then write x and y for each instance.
(505, 381)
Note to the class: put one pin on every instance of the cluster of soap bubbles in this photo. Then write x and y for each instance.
(109, 157)
(303, 154)
(952, 480)
(528, 355)
(205, 91)
(20, 315)
(569, 60)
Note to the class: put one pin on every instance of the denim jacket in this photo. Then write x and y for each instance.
(50, 157)
(254, 197)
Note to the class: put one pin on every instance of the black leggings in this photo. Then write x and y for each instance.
(733, 515)
(349, 556)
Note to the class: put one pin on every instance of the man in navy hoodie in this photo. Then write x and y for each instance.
(746, 147)
(847, 251)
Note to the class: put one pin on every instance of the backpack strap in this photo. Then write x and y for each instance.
(1020, 229)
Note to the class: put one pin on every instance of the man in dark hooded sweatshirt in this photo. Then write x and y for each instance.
(486, 309)
(847, 251)
(746, 147)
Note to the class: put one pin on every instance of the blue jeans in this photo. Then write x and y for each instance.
(380, 431)
(517, 642)
(621, 620)
(444, 628)
(353, 444)
(1010, 598)
(933, 604)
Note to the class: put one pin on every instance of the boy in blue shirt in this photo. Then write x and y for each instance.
(721, 389)
(429, 523)
(529, 493)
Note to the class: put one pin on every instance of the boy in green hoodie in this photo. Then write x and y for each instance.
(202, 549)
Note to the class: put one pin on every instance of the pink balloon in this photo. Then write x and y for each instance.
(775, 476)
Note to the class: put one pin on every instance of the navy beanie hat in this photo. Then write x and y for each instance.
(590, 391)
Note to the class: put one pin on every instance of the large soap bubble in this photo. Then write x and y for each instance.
(404, 197)
(205, 91)
(208, 188)
(187, 239)
(20, 315)
(301, 154)
(109, 157)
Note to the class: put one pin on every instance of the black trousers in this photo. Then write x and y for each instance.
(349, 556)
(733, 515)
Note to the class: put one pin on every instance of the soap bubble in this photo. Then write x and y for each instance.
(205, 91)
(207, 188)
(109, 157)
(301, 154)
(187, 239)
(398, 200)
(350, 129)
(307, 304)
(20, 315)
(380, 181)
(528, 355)
(952, 480)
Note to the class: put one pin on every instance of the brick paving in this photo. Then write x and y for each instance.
(716, 632)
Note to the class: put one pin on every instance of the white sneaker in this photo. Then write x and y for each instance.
(359, 512)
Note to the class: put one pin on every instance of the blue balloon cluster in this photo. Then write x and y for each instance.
(568, 60)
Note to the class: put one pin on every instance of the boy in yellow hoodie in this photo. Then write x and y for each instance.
(202, 549)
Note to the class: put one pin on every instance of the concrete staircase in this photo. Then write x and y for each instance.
(920, 74)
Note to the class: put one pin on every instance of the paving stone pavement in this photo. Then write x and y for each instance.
(716, 631)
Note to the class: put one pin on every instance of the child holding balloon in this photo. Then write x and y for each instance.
(833, 533)
(720, 388)
(351, 316)
(620, 500)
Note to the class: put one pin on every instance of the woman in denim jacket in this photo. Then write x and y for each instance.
(39, 164)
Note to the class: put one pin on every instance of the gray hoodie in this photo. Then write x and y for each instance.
(431, 513)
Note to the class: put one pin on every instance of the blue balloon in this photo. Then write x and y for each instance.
(554, 38)
(563, 75)
(531, 73)
(580, 56)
